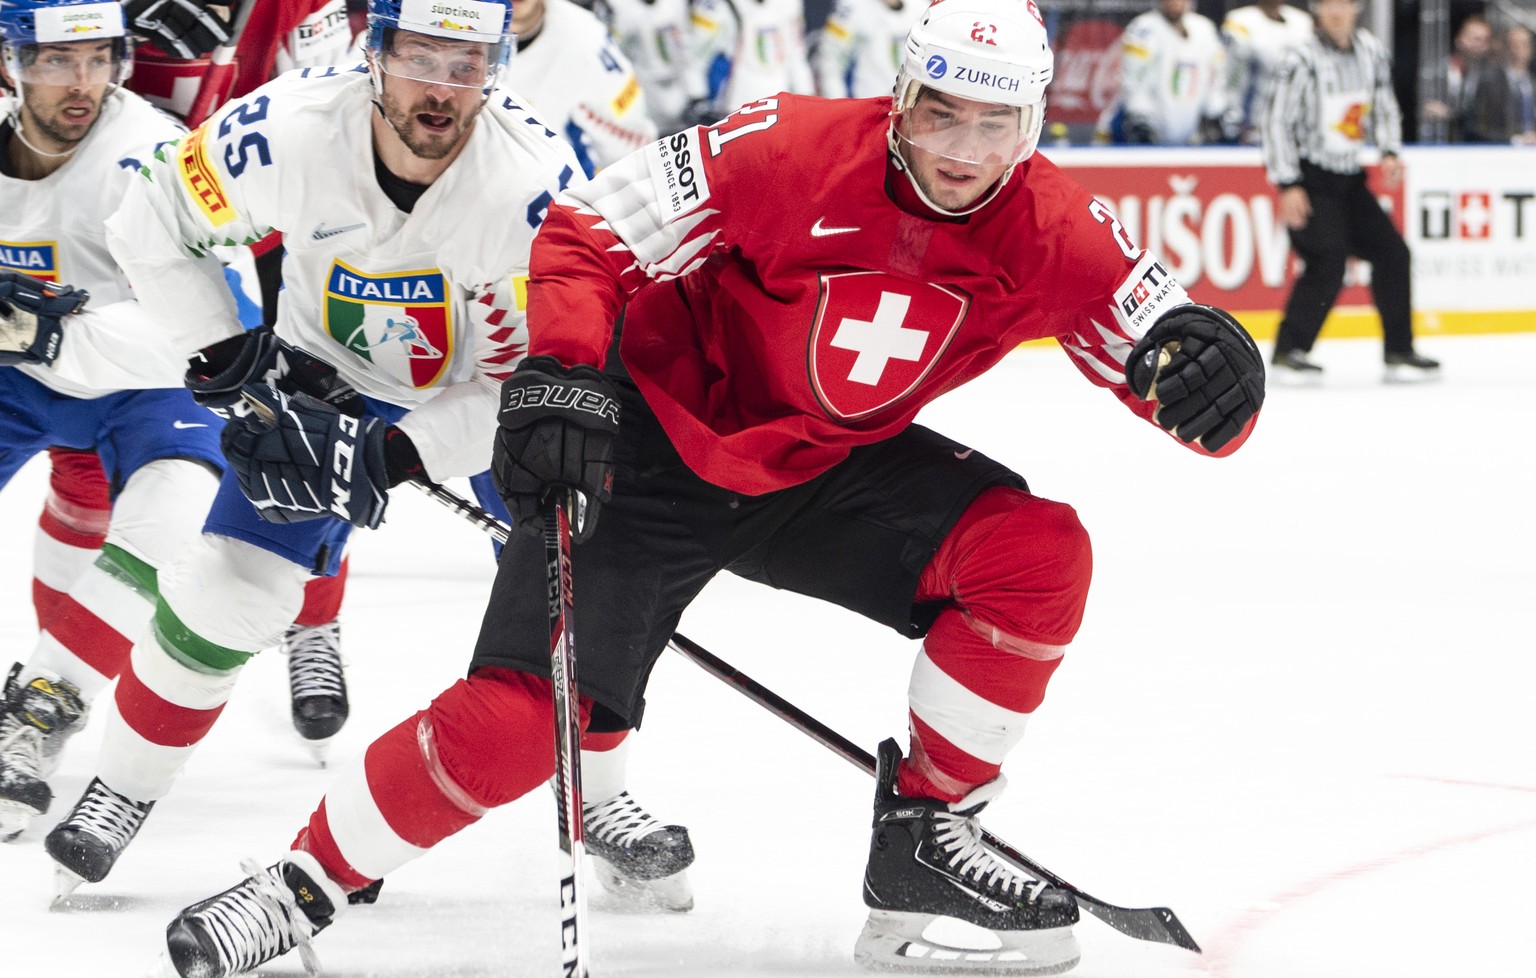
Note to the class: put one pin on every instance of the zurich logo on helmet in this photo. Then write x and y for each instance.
(937, 66)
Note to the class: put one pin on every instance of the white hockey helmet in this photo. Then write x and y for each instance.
(990, 51)
(487, 22)
(26, 25)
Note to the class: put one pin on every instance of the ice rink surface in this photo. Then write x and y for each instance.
(1301, 713)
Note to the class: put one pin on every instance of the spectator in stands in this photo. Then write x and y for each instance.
(1257, 39)
(1522, 86)
(1478, 109)
(1173, 78)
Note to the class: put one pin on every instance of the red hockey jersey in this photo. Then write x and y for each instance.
(789, 298)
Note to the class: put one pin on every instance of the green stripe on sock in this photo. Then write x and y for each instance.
(130, 570)
(191, 649)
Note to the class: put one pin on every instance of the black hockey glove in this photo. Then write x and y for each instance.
(184, 29)
(217, 373)
(1203, 370)
(30, 314)
(299, 459)
(557, 429)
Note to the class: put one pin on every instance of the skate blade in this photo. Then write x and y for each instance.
(1409, 375)
(1297, 378)
(319, 750)
(65, 882)
(670, 894)
(895, 941)
(14, 819)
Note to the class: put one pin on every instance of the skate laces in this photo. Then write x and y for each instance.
(21, 747)
(314, 660)
(109, 816)
(620, 820)
(960, 835)
(257, 921)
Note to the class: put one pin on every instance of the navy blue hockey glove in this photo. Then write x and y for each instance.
(298, 458)
(30, 314)
(217, 374)
(557, 430)
(1203, 370)
(184, 29)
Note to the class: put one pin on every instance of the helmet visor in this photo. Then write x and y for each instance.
(459, 64)
(69, 64)
(985, 133)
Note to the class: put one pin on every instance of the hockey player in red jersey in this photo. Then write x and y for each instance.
(795, 283)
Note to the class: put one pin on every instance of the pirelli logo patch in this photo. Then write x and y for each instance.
(202, 180)
(626, 97)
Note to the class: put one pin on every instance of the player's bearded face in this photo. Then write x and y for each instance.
(62, 91)
(430, 119)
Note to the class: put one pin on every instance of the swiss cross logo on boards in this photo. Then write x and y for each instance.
(876, 338)
(1476, 215)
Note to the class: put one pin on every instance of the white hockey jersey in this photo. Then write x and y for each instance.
(1256, 45)
(420, 310)
(52, 229)
(657, 37)
(1171, 79)
(859, 50)
(752, 49)
(574, 74)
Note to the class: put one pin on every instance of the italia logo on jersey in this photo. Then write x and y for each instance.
(398, 321)
(38, 259)
(876, 338)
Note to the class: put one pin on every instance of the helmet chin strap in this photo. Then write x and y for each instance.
(895, 143)
(17, 128)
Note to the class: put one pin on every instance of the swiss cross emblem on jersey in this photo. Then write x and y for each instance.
(876, 337)
(398, 321)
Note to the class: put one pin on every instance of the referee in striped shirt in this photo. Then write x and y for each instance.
(1333, 93)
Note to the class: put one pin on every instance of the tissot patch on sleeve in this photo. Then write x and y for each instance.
(677, 173)
(1148, 292)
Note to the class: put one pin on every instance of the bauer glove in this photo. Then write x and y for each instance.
(31, 311)
(297, 458)
(1203, 370)
(557, 430)
(185, 29)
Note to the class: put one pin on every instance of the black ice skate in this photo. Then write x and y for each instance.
(93, 835)
(36, 717)
(268, 914)
(926, 861)
(316, 682)
(637, 859)
(1410, 368)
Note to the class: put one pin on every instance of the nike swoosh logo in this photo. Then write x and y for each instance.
(321, 232)
(962, 456)
(819, 231)
(186, 424)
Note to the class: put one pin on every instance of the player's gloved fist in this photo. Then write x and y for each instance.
(557, 430)
(298, 458)
(217, 374)
(186, 29)
(30, 314)
(1204, 371)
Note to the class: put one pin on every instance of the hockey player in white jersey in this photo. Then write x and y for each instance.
(96, 377)
(751, 49)
(571, 70)
(858, 51)
(1258, 37)
(1173, 83)
(380, 177)
(657, 36)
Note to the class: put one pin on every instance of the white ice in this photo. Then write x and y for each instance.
(1301, 713)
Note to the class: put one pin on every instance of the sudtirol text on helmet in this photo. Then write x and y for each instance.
(27, 24)
(993, 51)
(487, 22)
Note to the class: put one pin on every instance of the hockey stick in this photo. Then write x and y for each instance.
(1157, 924)
(219, 80)
(562, 663)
